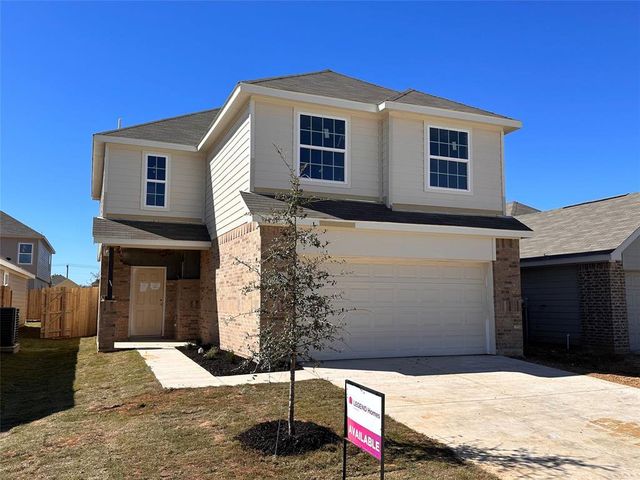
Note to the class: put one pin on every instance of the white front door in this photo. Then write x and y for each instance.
(147, 301)
(413, 309)
(633, 309)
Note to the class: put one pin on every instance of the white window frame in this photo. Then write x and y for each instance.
(145, 163)
(428, 156)
(18, 259)
(346, 150)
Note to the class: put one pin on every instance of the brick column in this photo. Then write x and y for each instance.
(603, 307)
(113, 317)
(507, 298)
(106, 326)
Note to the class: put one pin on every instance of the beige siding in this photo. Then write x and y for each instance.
(228, 175)
(18, 286)
(408, 173)
(123, 193)
(275, 124)
(385, 158)
(631, 256)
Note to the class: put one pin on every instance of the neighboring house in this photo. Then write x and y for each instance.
(27, 249)
(415, 207)
(17, 279)
(516, 208)
(65, 283)
(56, 278)
(581, 274)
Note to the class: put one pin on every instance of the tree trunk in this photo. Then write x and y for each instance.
(292, 394)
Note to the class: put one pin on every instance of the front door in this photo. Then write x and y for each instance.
(147, 301)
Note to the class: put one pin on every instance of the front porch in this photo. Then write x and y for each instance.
(148, 294)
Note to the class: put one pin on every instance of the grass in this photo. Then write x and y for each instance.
(623, 369)
(69, 412)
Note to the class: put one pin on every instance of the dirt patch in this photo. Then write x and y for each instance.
(618, 427)
(272, 438)
(225, 363)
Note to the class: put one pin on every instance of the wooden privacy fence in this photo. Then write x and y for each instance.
(64, 312)
(5, 296)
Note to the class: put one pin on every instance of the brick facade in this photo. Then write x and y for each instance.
(182, 305)
(507, 298)
(603, 307)
(237, 324)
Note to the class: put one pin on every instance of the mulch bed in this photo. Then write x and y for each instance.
(226, 363)
(624, 369)
(272, 438)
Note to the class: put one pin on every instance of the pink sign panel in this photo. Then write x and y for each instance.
(365, 419)
(364, 439)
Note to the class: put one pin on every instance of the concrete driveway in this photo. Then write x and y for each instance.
(516, 419)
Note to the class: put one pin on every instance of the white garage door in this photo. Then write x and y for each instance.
(412, 310)
(633, 309)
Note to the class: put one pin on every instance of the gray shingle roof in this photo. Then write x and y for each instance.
(189, 129)
(185, 129)
(591, 227)
(141, 230)
(328, 83)
(376, 212)
(415, 97)
(11, 227)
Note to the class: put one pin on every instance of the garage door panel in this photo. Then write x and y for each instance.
(412, 310)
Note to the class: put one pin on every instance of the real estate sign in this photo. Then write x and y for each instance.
(364, 421)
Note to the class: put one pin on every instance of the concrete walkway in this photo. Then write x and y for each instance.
(514, 418)
(173, 369)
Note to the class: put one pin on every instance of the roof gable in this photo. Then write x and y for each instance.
(327, 83)
(598, 226)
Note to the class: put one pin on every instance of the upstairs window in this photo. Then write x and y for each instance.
(448, 159)
(323, 148)
(155, 194)
(25, 253)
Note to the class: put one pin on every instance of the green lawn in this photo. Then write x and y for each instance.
(68, 412)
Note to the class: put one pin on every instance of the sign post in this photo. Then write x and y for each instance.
(363, 423)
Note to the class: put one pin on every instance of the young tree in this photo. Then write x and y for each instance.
(298, 315)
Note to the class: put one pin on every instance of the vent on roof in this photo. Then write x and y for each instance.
(596, 201)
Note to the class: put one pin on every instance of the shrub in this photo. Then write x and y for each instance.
(211, 353)
(230, 356)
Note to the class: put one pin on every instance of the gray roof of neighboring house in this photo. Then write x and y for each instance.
(185, 129)
(593, 227)
(143, 230)
(11, 227)
(516, 208)
(356, 211)
(189, 129)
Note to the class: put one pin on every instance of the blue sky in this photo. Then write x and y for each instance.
(569, 71)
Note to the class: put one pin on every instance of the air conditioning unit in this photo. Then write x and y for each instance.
(9, 321)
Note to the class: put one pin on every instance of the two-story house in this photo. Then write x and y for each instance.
(415, 206)
(30, 253)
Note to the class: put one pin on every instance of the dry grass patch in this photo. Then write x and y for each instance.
(114, 421)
